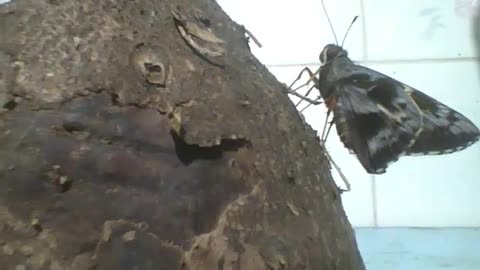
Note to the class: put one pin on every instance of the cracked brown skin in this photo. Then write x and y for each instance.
(101, 169)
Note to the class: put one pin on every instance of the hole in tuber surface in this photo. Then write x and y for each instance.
(187, 153)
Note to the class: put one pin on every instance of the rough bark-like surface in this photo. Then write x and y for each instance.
(124, 146)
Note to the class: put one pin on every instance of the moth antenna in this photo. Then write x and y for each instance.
(330, 22)
(348, 30)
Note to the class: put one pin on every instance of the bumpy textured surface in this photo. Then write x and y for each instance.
(126, 143)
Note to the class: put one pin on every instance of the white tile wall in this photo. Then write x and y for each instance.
(418, 29)
(427, 44)
(295, 32)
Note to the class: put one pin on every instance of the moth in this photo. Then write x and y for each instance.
(379, 118)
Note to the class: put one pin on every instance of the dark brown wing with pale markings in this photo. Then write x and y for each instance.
(377, 120)
(444, 129)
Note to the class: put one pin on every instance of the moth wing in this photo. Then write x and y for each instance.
(376, 119)
(444, 129)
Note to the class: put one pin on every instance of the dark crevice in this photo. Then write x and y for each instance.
(187, 153)
(152, 67)
(221, 263)
(205, 21)
(10, 105)
(54, 2)
(139, 106)
(37, 227)
(63, 187)
(87, 247)
(114, 98)
(73, 125)
(116, 102)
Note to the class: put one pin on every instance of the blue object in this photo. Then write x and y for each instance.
(422, 249)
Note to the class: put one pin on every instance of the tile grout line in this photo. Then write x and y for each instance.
(374, 202)
(421, 60)
(391, 61)
(364, 30)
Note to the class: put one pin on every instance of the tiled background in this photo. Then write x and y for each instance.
(427, 44)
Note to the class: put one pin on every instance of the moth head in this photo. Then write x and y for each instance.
(330, 52)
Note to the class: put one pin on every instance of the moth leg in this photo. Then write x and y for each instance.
(306, 95)
(329, 128)
(309, 104)
(316, 84)
(326, 130)
(344, 178)
(312, 77)
(312, 101)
